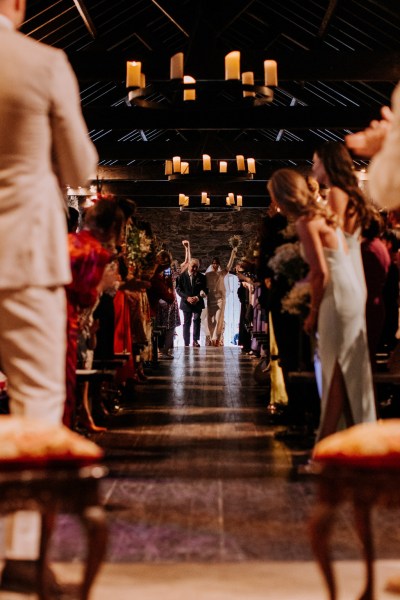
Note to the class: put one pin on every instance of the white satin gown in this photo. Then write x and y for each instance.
(342, 333)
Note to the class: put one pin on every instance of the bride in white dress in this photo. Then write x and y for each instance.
(337, 309)
(215, 277)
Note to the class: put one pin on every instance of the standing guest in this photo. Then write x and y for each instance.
(337, 306)
(216, 299)
(161, 292)
(244, 296)
(44, 146)
(334, 167)
(376, 262)
(91, 249)
(168, 314)
(293, 345)
(191, 286)
(391, 293)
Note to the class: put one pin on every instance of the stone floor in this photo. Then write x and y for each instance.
(203, 501)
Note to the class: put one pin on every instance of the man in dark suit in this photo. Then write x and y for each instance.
(191, 287)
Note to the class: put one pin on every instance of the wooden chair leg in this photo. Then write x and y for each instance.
(94, 520)
(320, 529)
(362, 513)
(48, 521)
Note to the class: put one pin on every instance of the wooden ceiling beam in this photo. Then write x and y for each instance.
(266, 117)
(193, 151)
(84, 13)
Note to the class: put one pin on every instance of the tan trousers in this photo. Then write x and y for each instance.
(32, 355)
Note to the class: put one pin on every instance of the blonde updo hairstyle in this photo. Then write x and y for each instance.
(292, 193)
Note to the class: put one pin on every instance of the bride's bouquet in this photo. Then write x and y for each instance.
(235, 241)
(297, 301)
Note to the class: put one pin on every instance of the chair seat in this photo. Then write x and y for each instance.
(368, 445)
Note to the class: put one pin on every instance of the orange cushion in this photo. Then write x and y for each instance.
(33, 442)
(371, 445)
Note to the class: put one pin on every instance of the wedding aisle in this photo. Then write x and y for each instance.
(203, 501)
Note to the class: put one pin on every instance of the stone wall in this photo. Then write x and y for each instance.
(207, 232)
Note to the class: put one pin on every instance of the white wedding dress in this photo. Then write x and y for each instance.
(342, 333)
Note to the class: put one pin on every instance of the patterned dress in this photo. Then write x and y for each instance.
(88, 261)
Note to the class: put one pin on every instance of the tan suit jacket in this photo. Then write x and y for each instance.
(44, 145)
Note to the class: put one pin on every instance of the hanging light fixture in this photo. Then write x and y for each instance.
(238, 88)
(222, 170)
(232, 203)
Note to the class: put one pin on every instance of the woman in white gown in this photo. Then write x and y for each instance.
(337, 306)
(215, 277)
(334, 168)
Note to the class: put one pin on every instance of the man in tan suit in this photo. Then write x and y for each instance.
(44, 145)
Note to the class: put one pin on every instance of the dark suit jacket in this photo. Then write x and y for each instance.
(185, 289)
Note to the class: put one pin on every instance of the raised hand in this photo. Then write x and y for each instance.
(369, 141)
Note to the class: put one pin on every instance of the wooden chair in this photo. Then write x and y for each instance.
(360, 465)
(64, 479)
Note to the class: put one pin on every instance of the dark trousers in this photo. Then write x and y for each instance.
(187, 322)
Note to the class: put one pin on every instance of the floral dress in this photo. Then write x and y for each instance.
(88, 261)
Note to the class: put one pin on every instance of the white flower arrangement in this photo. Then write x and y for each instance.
(288, 263)
(297, 301)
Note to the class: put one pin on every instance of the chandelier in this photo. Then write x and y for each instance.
(223, 170)
(232, 203)
(237, 89)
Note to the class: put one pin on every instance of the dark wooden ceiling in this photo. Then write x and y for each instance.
(338, 62)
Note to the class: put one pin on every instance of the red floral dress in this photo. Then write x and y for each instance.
(88, 261)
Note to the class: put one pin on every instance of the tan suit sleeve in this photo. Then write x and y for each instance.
(74, 155)
(384, 170)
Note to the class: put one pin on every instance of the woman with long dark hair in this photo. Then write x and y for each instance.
(334, 168)
(336, 310)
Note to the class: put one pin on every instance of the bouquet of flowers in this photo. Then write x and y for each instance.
(297, 300)
(140, 251)
(235, 241)
(288, 263)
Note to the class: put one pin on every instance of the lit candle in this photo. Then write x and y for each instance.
(228, 202)
(270, 72)
(239, 200)
(184, 168)
(231, 197)
(176, 161)
(208, 201)
(168, 167)
(182, 199)
(176, 66)
(248, 79)
(206, 162)
(240, 162)
(189, 94)
(186, 200)
(251, 165)
(133, 69)
(204, 197)
(232, 65)
(223, 166)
